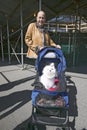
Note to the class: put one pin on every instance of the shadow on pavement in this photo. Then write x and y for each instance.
(26, 126)
(10, 85)
(14, 101)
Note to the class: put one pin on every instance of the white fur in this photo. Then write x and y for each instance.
(48, 76)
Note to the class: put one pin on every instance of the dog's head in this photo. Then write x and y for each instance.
(49, 71)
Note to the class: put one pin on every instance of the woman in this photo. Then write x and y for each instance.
(37, 36)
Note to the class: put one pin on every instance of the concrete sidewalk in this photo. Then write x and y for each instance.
(15, 97)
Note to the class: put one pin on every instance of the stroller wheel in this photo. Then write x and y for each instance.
(32, 126)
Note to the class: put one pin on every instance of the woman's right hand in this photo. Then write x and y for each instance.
(58, 46)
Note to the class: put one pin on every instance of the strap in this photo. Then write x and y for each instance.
(44, 38)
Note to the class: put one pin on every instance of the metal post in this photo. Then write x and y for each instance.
(75, 35)
(40, 5)
(69, 44)
(56, 24)
(2, 44)
(9, 58)
(21, 17)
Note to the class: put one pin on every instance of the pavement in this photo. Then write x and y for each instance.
(15, 96)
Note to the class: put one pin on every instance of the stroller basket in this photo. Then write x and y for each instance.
(44, 98)
(50, 120)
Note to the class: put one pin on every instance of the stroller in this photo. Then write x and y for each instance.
(50, 107)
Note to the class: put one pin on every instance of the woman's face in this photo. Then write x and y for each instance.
(41, 19)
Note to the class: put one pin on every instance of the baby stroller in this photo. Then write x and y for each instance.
(50, 107)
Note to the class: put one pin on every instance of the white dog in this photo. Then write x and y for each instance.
(48, 77)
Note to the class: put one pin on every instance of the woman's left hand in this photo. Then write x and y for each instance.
(58, 46)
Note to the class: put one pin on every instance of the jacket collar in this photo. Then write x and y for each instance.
(41, 28)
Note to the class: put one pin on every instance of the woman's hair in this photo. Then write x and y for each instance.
(41, 11)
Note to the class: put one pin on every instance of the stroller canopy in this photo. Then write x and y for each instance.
(59, 56)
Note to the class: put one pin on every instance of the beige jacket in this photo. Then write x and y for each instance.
(33, 38)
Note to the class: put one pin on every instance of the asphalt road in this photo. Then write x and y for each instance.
(15, 97)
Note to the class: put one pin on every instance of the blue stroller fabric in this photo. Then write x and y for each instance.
(59, 56)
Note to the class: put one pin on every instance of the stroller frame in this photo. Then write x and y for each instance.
(51, 116)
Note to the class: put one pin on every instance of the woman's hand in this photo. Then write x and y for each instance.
(41, 48)
(58, 46)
